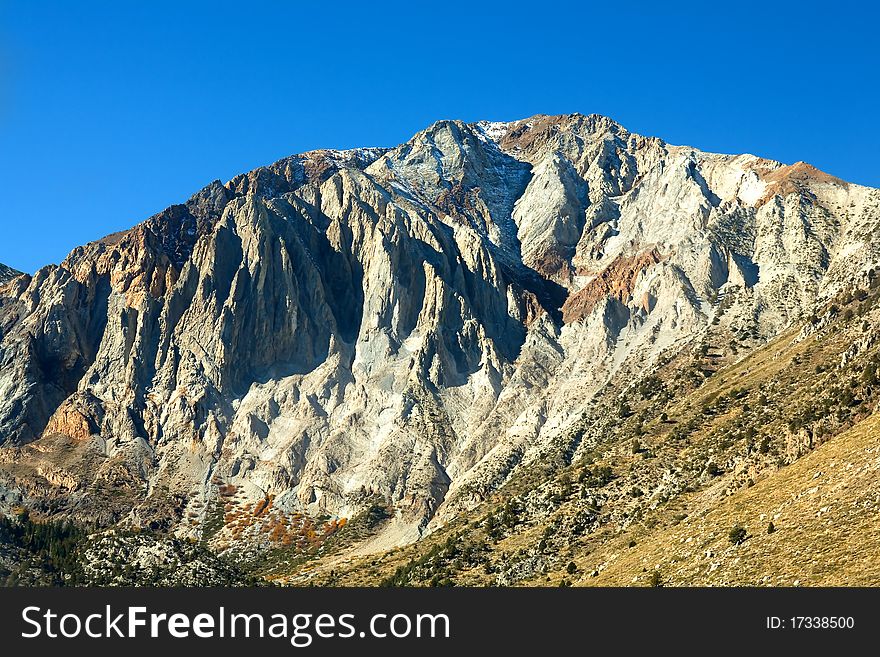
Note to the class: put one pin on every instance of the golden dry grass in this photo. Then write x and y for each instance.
(825, 508)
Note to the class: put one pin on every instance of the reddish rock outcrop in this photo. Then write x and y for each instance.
(617, 280)
(794, 179)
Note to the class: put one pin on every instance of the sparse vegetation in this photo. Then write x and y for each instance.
(737, 535)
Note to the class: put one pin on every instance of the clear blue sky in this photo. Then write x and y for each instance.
(110, 111)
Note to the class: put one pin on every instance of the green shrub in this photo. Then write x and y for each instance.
(737, 535)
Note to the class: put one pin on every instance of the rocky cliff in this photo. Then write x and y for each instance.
(7, 274)
(413, 323)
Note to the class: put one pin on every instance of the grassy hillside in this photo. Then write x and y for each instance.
(815, 522)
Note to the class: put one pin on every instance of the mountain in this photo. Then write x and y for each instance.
(762, 474)
(363, 348)
(7, 274)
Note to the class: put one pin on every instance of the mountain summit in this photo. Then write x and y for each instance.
(7, 274)
(408, 327)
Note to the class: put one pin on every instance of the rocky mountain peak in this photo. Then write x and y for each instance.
(290, 173)
(7, 274)
(414, 324)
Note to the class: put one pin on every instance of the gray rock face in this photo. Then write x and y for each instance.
(413, 322)
(7, 274)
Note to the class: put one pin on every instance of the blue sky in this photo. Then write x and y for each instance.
(111, 111)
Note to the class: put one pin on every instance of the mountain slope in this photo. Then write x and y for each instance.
(416, 324)
(788, 436)
(7, 274)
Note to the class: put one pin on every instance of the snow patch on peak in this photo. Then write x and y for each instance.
(7, 274)
(492, 130)
(752, 189)
(361, 156)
